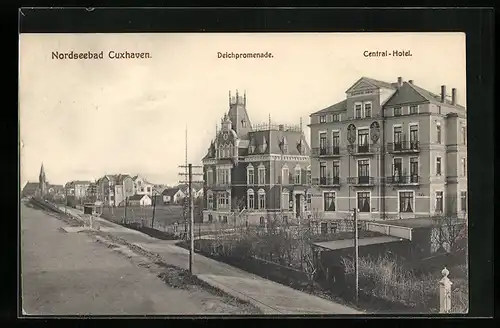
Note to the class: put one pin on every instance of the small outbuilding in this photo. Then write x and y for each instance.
(139, 200)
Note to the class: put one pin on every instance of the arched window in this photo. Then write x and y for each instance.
(250, 199)
(209, 177)
(262, 199)
(298, 175)
(250, 175)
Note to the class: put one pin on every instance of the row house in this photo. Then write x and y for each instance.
(260, 170)
(77, 188)
(391, 150)
(114, 190)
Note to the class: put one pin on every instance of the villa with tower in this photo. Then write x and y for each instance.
(252, 171)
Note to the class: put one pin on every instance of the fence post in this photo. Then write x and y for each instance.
(445, 292)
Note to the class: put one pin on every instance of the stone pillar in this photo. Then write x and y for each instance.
(445, 292)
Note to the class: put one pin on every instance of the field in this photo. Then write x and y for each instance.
(164, 215)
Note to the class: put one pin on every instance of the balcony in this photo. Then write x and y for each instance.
(361, 181)
(219, 186)
(361, 149)
(326, 182)
(403, 147)
(325, 152)
(404, 180)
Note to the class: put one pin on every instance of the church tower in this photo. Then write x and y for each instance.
(42, 182)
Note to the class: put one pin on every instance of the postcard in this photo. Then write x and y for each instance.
(243, 173)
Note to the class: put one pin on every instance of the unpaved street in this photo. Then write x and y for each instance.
(72, 274)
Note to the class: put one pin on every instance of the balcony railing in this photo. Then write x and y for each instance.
(362, 180)
(324, 181)
(361, 149)
(218, 185)
(403, 179)
(403, 146)
(325, 151)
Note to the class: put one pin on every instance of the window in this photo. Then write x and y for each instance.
(322, 173)
(414, 169)
(285, 175)
(463, 201)
(363, 140)
(439, 201)
(438, 165)
(142, 189)
(262, 221)
(309, 176)
(223, 176)
(464, 167)
(364, 168)
(250, 175)
(223, 200)
(285, 199)
(298, 174)
(149, 189)
(413, 136)
(262, 176)
(438, 132)
(336, 117)
(262, 199)
(357, 108)
(329, 201)
(336, 169)
(368, 110)
(284, 146)
(398, 137)
(335, 142)
(322, 119)
(406, 201)
(309, 201)
(364, 202)
(210, 201)
(414, 109)
(397, 111)
(250, 199)
(397, 169)
(243, 123)
(210, 177)
(322, 143)
(464, 135)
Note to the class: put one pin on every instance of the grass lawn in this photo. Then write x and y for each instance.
(164, 215)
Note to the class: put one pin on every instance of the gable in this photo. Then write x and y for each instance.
(361, 84)
(405, 95)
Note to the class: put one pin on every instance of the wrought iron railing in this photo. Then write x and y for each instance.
(403, 146)
(361, 180)
(325, 151)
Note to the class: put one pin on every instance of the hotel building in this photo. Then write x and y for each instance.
(391, 150)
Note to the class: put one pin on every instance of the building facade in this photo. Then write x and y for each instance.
(390, 150)
(113, 190)
(77, 188)
(256, 170)
(142, 187)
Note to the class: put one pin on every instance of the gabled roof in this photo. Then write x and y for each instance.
(373, 82)
(137, 197)
(170, 192)
(338, 107)
(411, 93)
(29, 186)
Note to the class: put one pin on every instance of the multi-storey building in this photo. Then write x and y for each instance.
(390, 150)
(113, 190)
(77, 188)
(258, 169)
(142, 186)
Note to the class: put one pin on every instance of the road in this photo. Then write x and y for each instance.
(71, 274)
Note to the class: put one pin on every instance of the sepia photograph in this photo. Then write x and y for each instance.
(243, 174)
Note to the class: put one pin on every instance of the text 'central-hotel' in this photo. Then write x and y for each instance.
(390, 150)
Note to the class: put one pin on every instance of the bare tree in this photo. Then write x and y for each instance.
(449, 231)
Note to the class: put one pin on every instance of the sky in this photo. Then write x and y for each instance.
(87, 118)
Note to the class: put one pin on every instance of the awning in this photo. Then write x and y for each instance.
(348, 243)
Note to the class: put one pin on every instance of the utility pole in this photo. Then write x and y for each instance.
(356, 254)
(154, 208)
(126, 204)
(190, 182)
(65, 199)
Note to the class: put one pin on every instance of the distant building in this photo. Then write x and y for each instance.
(139, 200)
(30, 189)
(264, 169)
(173, 195)
(77, 188)
(142, 187)
(112, 190)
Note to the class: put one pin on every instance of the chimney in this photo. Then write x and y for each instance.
(454, 96)
(410, 81)
(400, 82)
(443, 93)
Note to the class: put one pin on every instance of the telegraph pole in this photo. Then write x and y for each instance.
(356, 254)
(191, 210)
(154, 208)
(65, 199)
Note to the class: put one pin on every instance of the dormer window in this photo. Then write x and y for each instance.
(368, 109)
(357, 110)
(322, 119)
(336, 118)
(243, 123)
(284, 145)
(263, 147)
(397, 111)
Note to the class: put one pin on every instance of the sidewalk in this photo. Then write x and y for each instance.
(270, 297)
